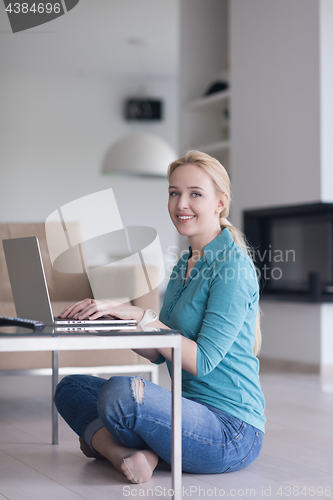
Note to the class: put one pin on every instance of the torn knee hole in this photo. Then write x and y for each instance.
(138, 387)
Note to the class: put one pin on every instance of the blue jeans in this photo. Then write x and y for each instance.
(212, 440)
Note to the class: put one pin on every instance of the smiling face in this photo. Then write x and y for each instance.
(194, 205)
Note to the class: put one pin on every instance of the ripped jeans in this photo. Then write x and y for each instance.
(137, 413)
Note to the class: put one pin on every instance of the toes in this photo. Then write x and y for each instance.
(128, 472)
(136, 468)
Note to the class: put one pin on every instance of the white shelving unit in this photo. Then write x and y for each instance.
(204, 54)
(210, 101)
(208, 125)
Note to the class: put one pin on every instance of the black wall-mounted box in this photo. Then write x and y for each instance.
(292, 249)
(143, 109)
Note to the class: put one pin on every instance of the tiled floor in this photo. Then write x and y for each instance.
(296, 461)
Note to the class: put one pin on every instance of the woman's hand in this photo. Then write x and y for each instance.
(93, 309)
(82, 307)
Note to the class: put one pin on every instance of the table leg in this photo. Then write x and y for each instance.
(55, 380)
(176, 458)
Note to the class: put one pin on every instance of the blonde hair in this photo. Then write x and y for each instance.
(221, 180)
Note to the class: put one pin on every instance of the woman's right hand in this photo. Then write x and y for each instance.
(87, 307)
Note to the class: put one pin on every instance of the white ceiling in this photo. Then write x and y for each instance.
(95, 38)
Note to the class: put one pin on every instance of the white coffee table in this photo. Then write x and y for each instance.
(132, 339)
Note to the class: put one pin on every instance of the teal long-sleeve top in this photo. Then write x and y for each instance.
(217, 308)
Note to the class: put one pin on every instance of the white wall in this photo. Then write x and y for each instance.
(282, 148)
(326, 336)
(275, 125)
(326, 98)
(291, 332)
(298, 332)
(55, 130)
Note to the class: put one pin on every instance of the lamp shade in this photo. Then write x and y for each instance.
(139, 153)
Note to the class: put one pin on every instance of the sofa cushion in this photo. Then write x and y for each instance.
(62, 286)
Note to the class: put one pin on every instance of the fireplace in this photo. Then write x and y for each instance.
(292, 248)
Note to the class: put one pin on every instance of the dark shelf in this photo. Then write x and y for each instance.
(293, 244)
(287, 296)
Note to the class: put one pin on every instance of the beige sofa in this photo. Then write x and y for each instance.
(64, 289)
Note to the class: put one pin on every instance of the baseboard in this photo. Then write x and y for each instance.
(269, 365)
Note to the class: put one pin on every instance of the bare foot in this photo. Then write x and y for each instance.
(137, 468)
(137, 465)
(88, 452)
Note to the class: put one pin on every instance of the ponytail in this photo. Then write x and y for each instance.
(236, 234)
(239, 239)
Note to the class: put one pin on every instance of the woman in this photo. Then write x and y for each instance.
(212, 298)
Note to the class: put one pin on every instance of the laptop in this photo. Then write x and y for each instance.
(31, 294)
